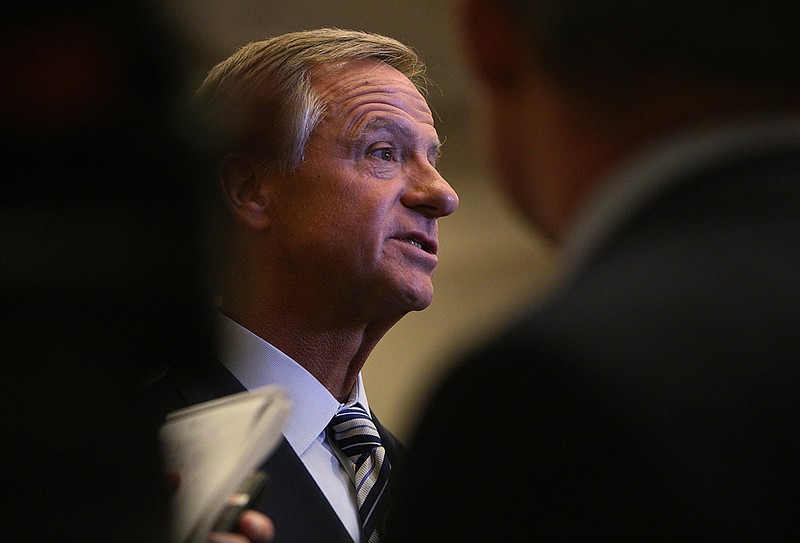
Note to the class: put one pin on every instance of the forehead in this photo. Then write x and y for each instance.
(359, 93)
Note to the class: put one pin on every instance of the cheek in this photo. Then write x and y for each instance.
(381, 169)
(368, 196)
(517, 160)
(357, 219)
(347, 213)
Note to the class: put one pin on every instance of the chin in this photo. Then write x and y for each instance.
(402, 293)
(417, 299)
(421, 305)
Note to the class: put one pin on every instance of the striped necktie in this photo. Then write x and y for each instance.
(355, 434)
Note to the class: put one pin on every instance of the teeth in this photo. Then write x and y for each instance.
(414, 242)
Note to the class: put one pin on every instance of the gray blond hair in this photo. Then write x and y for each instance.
(261, 98)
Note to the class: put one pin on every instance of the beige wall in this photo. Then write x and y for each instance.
(490, 264)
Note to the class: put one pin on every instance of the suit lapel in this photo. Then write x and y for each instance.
(204, 383)
(295, 503)
(394, 449)
(395, 452)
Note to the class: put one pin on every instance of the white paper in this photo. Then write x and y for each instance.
(213, 446)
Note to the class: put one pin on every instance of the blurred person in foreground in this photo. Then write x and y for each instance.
(96, 231)
(653, 395)
(329, 199)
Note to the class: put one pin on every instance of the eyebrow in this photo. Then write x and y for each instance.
(395, 128)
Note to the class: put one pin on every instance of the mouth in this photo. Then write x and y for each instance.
(420, 242)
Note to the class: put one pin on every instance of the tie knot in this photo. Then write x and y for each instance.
(354, 433)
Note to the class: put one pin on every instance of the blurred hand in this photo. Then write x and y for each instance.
(254, 527)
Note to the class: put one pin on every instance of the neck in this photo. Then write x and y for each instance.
(333, 352)
(587, 142)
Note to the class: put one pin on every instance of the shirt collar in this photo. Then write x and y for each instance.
(255, 362)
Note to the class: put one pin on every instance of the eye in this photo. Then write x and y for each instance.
(386, 154)
(434, 156)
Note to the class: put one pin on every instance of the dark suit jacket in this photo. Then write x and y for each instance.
(291, 498)
(654, 398)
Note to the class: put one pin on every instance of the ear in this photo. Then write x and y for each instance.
(245, 189)
(494, 45)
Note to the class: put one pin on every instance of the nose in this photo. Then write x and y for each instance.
(431, 195)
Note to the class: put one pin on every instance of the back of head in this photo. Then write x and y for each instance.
(615, 48)
(262, 100)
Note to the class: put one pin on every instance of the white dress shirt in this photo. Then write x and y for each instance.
(255, 362)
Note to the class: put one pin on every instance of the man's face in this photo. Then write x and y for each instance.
(359, 216)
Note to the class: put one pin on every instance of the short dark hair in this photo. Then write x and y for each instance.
(601, 45)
